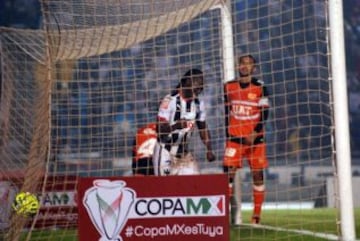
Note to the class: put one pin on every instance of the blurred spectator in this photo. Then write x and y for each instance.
(20, 13)
(122, 89)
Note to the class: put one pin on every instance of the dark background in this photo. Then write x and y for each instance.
(26, 14)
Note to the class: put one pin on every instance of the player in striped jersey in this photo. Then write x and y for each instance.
(246, 110)
(178, 115)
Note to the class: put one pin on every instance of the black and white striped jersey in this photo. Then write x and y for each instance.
(174, 108)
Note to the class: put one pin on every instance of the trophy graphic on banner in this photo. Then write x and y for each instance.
(108, 204)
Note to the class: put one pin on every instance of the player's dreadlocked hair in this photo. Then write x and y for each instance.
(186, 77)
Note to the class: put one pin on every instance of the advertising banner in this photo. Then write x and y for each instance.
(58, 208)
(7, 195)
(173, 208)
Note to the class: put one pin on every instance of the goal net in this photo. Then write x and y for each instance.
(75, 91)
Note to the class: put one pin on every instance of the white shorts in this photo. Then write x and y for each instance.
(161, 160)
(167, 164)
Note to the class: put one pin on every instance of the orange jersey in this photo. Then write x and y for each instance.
(244, 106)
(145, 141)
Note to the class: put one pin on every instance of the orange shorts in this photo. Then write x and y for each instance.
(235, 153)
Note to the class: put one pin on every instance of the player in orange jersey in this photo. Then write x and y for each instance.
(246, 110)
(143, 149)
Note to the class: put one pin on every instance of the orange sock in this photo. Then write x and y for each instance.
(259, 197)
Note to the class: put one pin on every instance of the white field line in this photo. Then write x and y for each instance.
(280, 205)
(299, 231)
(288, 205)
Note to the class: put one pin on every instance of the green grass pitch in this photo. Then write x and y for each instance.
(294, 225)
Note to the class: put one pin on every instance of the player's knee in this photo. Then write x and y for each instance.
(230, 173)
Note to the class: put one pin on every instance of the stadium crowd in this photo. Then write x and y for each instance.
(127, 109)
(352, 41)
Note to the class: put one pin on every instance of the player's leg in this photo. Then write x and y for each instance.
(156, 158)
(258, 194)
(143, 167)
(237, 195)
(258, 162)
(232, 165)
(161, 160)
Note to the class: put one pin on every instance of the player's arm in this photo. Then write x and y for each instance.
(264, 115)
(227, 111)
(204, 131)
(164, 128)
(206, 139)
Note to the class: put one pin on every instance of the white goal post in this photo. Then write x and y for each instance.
(342, 137)
(339, 81)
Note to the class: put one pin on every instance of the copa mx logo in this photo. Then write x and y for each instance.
(108, 204)
(179, 206)
(127, 209)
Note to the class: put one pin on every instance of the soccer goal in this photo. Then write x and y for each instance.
(74, 92)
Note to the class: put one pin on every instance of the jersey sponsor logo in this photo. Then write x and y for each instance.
(251, 96)
(149, 131)
(241, 110)
(166, 167)
(230, 152)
